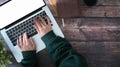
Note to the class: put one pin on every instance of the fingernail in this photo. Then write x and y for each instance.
(20, 36)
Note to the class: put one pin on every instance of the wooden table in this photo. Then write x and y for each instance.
(95, 34)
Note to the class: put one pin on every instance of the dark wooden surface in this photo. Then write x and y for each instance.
(95, 34)
(97, 39)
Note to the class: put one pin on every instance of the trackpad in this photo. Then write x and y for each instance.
(39, 43)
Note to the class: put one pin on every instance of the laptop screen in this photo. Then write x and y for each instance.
(16, 9)
(2, 2)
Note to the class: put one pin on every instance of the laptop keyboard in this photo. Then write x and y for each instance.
(27, 26)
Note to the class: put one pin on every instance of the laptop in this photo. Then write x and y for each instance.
(16, 18)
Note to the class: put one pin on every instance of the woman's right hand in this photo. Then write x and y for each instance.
(42, 27)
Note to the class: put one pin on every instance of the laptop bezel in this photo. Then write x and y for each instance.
(22, 18)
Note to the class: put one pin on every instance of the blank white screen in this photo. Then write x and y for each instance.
(16, 9)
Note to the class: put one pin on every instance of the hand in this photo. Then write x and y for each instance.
(26, 44)
(41, 26)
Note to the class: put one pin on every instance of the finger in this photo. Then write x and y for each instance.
(18, 43)
(49, 22)
(37, 29)
(25, 39)
(40, 22)
(24, 42)
(43, 23)
(32, 43)
(37, 22)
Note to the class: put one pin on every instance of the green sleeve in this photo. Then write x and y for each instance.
(61, 52)
(30, 59)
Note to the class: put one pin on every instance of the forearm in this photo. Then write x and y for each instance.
(61, 52)
(30, 59)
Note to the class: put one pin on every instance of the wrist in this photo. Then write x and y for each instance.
(28, 54)
(48, 37)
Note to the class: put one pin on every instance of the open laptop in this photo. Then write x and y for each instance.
(16, 17)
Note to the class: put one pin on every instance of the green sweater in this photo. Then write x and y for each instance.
(60, 51)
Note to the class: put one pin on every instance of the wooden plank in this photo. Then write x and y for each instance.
(99, 54)
(109, 2)
(91, 29)
(112, 11)
(100, 11)
(95, 11)
(96, 47)
(68, 8)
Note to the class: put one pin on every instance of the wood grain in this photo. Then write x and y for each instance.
(99, 54)
(91, 29)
